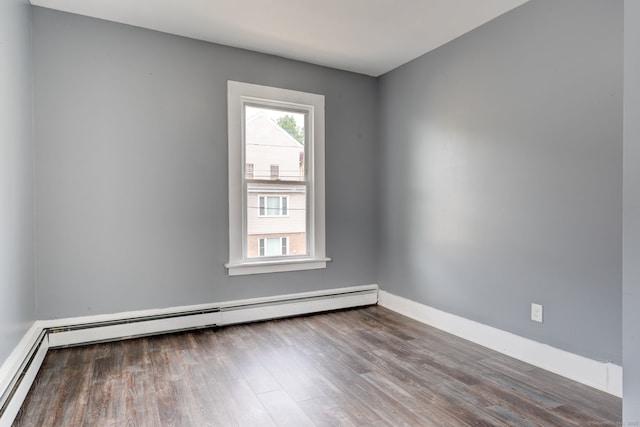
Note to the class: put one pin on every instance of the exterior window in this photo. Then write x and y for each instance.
(276, 204)
(275, 172)
(273, 205)
(274, 246)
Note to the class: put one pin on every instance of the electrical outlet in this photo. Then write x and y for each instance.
(536, 312)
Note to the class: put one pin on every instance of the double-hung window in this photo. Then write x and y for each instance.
(276, 180)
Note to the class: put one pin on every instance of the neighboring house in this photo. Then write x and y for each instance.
(276, 205)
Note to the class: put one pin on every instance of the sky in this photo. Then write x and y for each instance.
(275, 114)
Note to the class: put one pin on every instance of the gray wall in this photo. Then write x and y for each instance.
(131, 160)
(631, 293)
(17, 287)
(501, 159)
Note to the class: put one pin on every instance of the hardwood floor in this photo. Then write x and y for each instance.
(357, 367)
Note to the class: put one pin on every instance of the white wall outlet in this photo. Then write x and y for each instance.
(536, 312)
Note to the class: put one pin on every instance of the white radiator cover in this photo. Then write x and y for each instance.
(84, 330)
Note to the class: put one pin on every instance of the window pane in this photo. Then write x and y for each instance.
(273, 246)
(275, 172)
(276, 210)
(273, 206)
(274, 146)
(274, 143)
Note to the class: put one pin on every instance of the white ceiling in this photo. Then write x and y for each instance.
(365, 36)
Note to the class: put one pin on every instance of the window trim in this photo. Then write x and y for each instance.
(239, 94)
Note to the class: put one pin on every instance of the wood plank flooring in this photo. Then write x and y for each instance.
(362, 367)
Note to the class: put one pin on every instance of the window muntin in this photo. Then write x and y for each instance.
(292, 206)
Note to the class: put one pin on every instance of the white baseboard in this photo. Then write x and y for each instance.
(19, 370)
(603, 376)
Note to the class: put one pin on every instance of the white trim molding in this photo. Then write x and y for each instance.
(312, 105)
(18, 372)
(604, 376)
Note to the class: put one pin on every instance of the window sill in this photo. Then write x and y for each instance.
(278, 266)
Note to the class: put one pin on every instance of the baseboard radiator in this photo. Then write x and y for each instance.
(95, 329)
(18, 385)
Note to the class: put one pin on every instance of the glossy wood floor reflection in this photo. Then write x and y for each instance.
(364, 367)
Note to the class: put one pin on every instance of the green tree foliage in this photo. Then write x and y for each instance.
(289, 124)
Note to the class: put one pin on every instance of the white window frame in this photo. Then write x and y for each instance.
(238, 95)
(281, 199)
